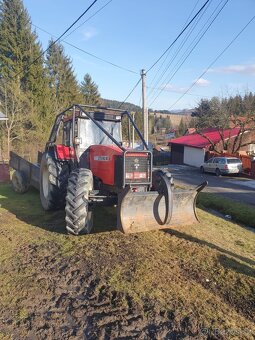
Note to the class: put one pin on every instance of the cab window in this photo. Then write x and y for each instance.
(67, 133)
(60, 134)
(64, 135)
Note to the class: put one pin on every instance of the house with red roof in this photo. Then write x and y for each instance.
(191, 149)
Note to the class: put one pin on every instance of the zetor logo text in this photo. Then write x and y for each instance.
(101, 158)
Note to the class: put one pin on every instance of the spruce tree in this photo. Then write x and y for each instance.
(62, 82)
(182, 127)
(19, 49)
(89, 89)
(24, 78)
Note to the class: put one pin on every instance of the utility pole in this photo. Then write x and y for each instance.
(133, 131)
(145, 109)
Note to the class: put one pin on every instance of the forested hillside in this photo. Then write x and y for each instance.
(34, 86)
(115, 104)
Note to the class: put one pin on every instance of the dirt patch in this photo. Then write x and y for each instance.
(76, 297)
(195, 282)
(70, 301)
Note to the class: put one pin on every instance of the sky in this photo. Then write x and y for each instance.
(133, 34)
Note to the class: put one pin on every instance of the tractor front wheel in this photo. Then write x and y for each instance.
(78, 216)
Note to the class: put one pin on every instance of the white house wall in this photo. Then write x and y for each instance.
(193, 156)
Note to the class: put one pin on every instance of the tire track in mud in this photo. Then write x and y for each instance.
(75, 303)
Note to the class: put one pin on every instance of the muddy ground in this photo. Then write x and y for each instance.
(78, 304)
(180, 284)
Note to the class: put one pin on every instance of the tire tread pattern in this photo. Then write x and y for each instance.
(58, 179)
(79, 184)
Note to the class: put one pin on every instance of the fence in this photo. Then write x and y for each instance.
(4, 172)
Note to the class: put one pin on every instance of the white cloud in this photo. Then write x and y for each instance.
(89, 33)
(172, 88)
(237, 69)
(167, 86)
(201, 82)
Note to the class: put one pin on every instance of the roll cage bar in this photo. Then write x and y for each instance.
(96, 114)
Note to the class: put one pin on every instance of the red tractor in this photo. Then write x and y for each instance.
(85, 164)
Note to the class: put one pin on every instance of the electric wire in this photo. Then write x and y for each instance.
(162, 55)
(84, 22)
(54, 42)
(179, 35)
(133, 89)
(157, 78)
(175, 91)
(185, 39)
(88, 53)
(181, 62)
(213, 62)
(163, 62)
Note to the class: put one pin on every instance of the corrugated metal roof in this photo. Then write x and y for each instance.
(197, 141)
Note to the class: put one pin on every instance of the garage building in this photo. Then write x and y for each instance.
(191, 149)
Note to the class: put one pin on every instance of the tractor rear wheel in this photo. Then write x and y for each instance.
(53, 183)
(78, 216)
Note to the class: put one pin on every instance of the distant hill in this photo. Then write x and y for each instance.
(175, 112)
(115, 104)
(182, 112)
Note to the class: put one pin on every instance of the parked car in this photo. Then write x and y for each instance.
(222, 165)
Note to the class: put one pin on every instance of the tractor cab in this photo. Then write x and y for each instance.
(81, 126)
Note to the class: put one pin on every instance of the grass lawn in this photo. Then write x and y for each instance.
(239, 212)
(195, 281)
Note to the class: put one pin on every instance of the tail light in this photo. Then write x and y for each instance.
(226, 167)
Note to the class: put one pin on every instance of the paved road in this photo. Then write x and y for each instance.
(237, 188)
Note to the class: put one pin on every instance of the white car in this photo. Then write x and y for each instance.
(222, 165)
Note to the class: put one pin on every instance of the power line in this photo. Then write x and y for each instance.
(162, 55)
(88, 53)
(163, 62)
(192, 49)
(54, 42)
(175, 91)
(181, 62)
(84, 22)
(179, 49)
(130, 93)
(183, 30)
(213, 62)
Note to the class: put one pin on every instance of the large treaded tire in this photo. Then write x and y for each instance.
(53, 183)
(20, 183)
(78, 216)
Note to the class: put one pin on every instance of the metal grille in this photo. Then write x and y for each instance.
(138, 164)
